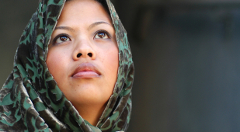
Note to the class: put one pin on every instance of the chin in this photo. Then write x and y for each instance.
(88, 97)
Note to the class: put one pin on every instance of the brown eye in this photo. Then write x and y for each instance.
(61, 38)
(101, 35)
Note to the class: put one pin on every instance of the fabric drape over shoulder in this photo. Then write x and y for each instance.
(30, 99)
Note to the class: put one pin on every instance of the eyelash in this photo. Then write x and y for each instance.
(103, 31)
(65, 35)
(58, 36)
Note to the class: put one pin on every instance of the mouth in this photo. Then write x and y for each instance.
(86, 70)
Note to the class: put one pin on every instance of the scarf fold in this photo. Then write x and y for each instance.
(30, 99)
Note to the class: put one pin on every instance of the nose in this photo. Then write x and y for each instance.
(84, 50)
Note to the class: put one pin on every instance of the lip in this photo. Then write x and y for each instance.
(86, 70)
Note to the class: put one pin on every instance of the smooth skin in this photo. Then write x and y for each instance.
(83, 57)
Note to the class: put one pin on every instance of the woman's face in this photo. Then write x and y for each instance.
(83, 53)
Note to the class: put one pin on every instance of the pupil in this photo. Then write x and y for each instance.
(63, 38)
(101, 35)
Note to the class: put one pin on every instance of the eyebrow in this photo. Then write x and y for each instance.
(97, 23)
(91, 26)
(64, 27)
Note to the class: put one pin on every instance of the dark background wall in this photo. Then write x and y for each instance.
(186, 55)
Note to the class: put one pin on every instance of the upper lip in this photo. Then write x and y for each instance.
(86, 67)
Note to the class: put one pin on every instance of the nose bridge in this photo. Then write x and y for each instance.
(83, 43)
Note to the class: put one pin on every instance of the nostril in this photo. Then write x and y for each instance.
(90, 54)
(78, 55)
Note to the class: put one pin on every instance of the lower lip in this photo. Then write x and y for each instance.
(86, 74)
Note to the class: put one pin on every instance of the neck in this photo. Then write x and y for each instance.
(90, 113)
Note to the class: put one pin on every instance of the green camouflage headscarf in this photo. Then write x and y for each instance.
(30, 99)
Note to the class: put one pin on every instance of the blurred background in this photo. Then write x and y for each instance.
(186, 55)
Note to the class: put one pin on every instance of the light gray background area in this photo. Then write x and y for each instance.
(186, 55)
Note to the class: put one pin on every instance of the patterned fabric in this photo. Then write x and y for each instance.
(30, 99)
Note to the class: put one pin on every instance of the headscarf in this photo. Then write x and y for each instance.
(30, 99)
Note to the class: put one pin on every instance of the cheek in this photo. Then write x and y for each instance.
(56, 61)
(111, 61)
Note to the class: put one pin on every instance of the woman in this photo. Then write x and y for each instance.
(73, 71)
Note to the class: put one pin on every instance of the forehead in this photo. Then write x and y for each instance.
(83, 10)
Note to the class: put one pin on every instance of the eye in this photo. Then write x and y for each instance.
(61, 38)
(102, 35)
